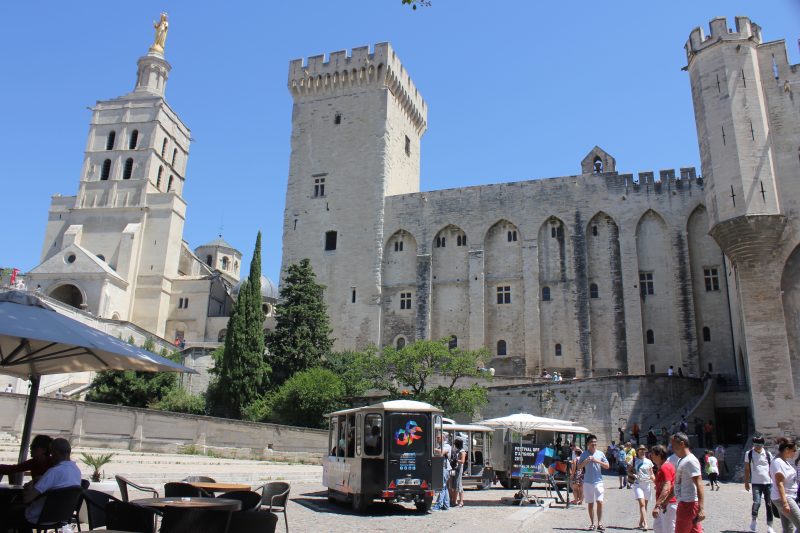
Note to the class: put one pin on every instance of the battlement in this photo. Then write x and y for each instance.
(339, 72)
(664, 181)
(745, 30)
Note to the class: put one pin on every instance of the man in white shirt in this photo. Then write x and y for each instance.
(9, 389)
(63, 474)
(688, 488)
(756, 473)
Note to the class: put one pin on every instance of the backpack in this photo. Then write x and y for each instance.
(750, 457)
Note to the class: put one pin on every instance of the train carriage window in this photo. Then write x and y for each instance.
(333, 436)
(373, 434)
(351, 436)
(341, 443)
(359, 434)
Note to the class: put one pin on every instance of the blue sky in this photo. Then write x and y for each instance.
(516, 90)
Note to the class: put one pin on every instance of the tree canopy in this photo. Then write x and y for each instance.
(301, 338)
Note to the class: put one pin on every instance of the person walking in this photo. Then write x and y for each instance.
(719, 453)
(642, 469)
(577, 476)
(635, 432)
(443, 449)
(622, 465)
(784, 485)
(458, 479)
(757, 462)
(712, 469)
(688, 488)
(592, 462)
(666, 506)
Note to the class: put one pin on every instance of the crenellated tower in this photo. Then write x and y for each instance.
(357, 122)
(747, 129)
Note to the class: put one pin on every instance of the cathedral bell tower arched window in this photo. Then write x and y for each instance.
(134, 140)
(106, 171)
(126, 174)
(112, 135)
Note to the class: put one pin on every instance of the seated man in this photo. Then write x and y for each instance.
(63, 474)
(39, 462)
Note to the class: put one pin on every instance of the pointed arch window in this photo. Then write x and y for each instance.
(106, 171)
(134, 140)
(126, 174)
(112, 136)
(501, 347)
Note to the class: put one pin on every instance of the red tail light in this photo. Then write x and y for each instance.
(424, 484)
(392, 485)
(387, 494)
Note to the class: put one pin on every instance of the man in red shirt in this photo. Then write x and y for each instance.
(666, 505)
(39, 462)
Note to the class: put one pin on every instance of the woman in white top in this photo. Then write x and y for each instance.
(784, 484)
(642, 487)
(712, 469)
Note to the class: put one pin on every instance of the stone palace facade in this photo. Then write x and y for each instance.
(589, 274)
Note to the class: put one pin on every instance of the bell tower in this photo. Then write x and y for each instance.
(116, 243)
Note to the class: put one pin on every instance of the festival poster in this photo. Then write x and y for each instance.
(409, 450)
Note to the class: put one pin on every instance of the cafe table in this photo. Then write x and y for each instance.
(215, 504)
(218, 487)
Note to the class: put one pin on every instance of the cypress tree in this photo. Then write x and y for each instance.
(244, 372)
(301, 338)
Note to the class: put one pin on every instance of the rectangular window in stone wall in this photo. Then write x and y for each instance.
(405, 300)
(646, 283)
(319, 187)
(504, 294)
(711, 275)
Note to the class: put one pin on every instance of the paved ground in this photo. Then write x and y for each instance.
(728, 512)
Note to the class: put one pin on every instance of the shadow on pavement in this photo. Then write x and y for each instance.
(318, 501)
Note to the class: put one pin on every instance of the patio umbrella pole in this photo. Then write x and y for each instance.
(28, 427)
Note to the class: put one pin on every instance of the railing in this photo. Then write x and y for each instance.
(732, 385)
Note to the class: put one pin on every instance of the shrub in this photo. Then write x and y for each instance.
(305, 397)
(179, 400)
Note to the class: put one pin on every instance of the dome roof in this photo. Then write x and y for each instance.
(219, 242)
(268, 289)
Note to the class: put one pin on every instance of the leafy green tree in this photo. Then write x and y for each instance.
(243, 373)
(412, 372)
(306, 397)
(133, 389)
(352, 367)
(301, 338)
(179, 400)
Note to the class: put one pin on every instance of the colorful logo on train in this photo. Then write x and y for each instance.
(407, 435)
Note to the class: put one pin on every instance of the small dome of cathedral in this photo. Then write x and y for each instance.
(268, 289)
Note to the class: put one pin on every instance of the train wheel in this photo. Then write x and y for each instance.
(360, 503)
(424, 505)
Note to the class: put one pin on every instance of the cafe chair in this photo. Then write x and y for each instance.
(76, 520)
(274, 497)
(59, 507)
(96, 504)
(199, 479)
(185, 520)
(126, 516)
(253, 522)
(179, 489)
(250, 499)
(124, 483)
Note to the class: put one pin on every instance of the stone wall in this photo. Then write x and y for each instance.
(98, 425)
(601, 404)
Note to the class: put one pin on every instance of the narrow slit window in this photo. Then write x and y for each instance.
(706, 334)
(158, 178)
(398, 245)
(558, 350)
(164, 149)
(546, 294)
(330, 241)
(408, 146)
(112, 136)
(512, 235)
(169, 184)
(651, 338)
(594, 231)
(353, 296)
(174, 156)
(440, 242)
(337, 119)
(594, 291)
(134, 140)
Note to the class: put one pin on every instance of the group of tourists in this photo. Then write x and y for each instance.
(452, 495)
(672, 477)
